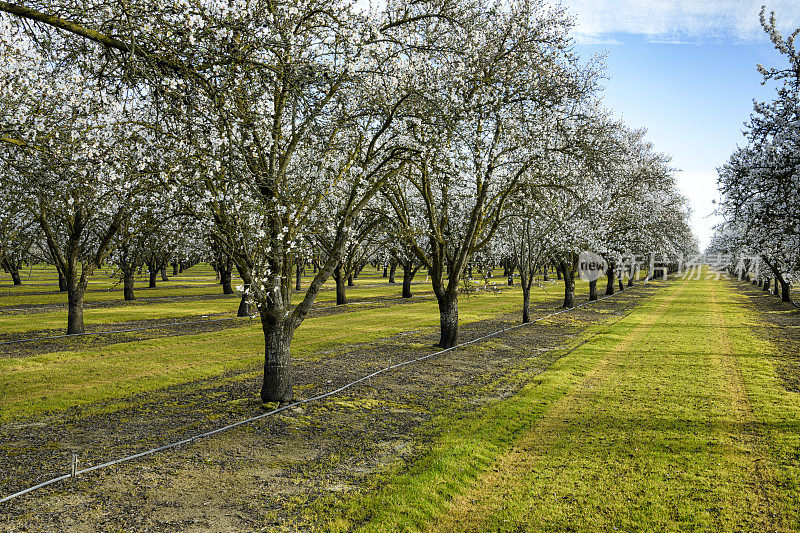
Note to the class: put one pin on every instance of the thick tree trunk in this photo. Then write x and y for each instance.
(765, 287)
(74, 306)
(546, 274)
(408, 276)
(448, 315)
(277, 385)
(225, 279)
(62, 282)
(341, 289)
(558, 274)
(175, 271)
(785, 295)
(392, 271)
(610, 275)
(153, 273)
(775, 286)
(350, 281)
(385, 272)
(621, 284)
(569, 288)
(164, 273)
(244, 306)
(127, 284)
(593, 290)
(630, 278)
(15, 275)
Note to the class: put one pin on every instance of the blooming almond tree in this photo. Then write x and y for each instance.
(267, 106)
(489, 84)
(72, 158)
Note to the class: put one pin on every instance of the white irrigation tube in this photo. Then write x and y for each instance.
(295, 404)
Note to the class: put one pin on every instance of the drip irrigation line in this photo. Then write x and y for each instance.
(295, 404)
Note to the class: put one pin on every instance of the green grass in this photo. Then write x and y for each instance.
(671, 419)
(33, 385)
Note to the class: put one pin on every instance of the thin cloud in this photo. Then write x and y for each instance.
(678, 21)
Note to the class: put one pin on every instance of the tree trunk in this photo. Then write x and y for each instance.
(610, 275)
(775, 286)
(15, 275)
(298, 277)
(621, 284)
(244, 306)
(74, 306)
(630, 277)
(62, 282)
(569, 287)
(153, 272)
(164, 273)
(392, 271)
(785, 296)
(558, 273)
(341, 290)
(225, 279)
(593, 290)
(385, 272)
(350, 281)
(175, 268)
(448, 315)
(766, 284)
(546, 274)
(526, 303)
(408, 275)
(277, 385)
(127, 284)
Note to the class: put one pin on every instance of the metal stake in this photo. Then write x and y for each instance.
(73, 472)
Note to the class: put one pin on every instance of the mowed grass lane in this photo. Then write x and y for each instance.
(671, 419)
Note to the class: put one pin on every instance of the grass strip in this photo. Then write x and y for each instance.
(671, 419)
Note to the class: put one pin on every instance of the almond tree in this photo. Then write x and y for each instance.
(760, 183)
(267, 106)
(488, 83)
(72, 157)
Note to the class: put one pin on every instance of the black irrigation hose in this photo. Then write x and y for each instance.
(285, 407)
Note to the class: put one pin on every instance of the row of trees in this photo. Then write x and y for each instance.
(457, 130)
(760, 183)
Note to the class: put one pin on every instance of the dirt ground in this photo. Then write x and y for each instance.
(265, 474)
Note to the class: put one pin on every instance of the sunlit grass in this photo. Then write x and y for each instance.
(55, 381)
(672, 419)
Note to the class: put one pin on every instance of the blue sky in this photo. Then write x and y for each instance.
(686, 71)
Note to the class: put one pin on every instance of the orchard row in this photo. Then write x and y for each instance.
(441, 135)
